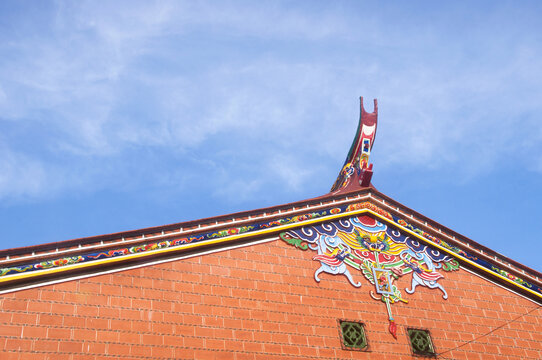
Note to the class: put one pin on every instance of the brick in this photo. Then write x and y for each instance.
(141, 326)
(130, 338)
(162, 352)
(10, 355)
(5, 317)
(184, 330)
(156, 316)
(89, 287)
(58, 333)
(64, 309)
(290, 350)
(86, 310)
(34, 332)
(174, 318)
(152, 339)
(272, 348)
(83, 357)
(11, 330)
(123, 280)
(191, 298)
(107, 336)
(253, 347)
(215, 344)
(15, 304)
(130, 314)
(214, 321)
(96, 323)
(120, 324)
(251, 324)
(72, 321)
(142, 304)
(117, 301)
(130, 292)
(204, 354)
(51, 295)
(46, 345)
(241, 313)
(75, 298)
(39, 306)
(145, 283)
(108, 289)
(18, 344)
(46, 319)
(98, 300)
(278, 338)
(108, 312)
(244, 356)
(94, 348)
(140, 350)
(192, 320)
(193, 342)
(118, 349)
(84, 334)
(70, 346)
(220, 290)
(162, 328)
(66, 286)
(24, 318)
(230, 302)
(243, 335)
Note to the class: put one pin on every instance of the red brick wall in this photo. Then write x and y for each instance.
(258, 302)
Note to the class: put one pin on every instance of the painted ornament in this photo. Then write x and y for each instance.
(382, 254)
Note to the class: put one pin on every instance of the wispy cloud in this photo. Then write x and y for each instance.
(276, 84)
(29, 173)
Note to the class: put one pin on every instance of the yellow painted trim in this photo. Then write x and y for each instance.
(174, 249)
(462, 258)
(13, 277)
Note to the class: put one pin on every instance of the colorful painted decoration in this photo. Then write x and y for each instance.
(179, 242)
(68, 262)
(393, 328)
(380, 253)
(356, 170)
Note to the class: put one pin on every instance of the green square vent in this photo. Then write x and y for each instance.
(420, 342)
(352, 335)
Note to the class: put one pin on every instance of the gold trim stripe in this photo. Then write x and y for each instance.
(280, 228)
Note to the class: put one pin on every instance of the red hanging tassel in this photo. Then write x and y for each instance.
(393, 329)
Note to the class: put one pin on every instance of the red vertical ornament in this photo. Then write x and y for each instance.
(393, 328)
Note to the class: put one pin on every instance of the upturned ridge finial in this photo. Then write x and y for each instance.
(356, 171)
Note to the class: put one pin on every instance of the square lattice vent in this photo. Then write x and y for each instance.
(352, 335)
(420, 342)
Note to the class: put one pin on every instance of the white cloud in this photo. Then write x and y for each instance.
(20, 176)
(96, 80)
(293, 173)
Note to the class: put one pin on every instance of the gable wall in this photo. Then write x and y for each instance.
(257, 302)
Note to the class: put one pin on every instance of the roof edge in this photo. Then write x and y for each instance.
(220, 221)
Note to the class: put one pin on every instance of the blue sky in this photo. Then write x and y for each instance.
(123, 115)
